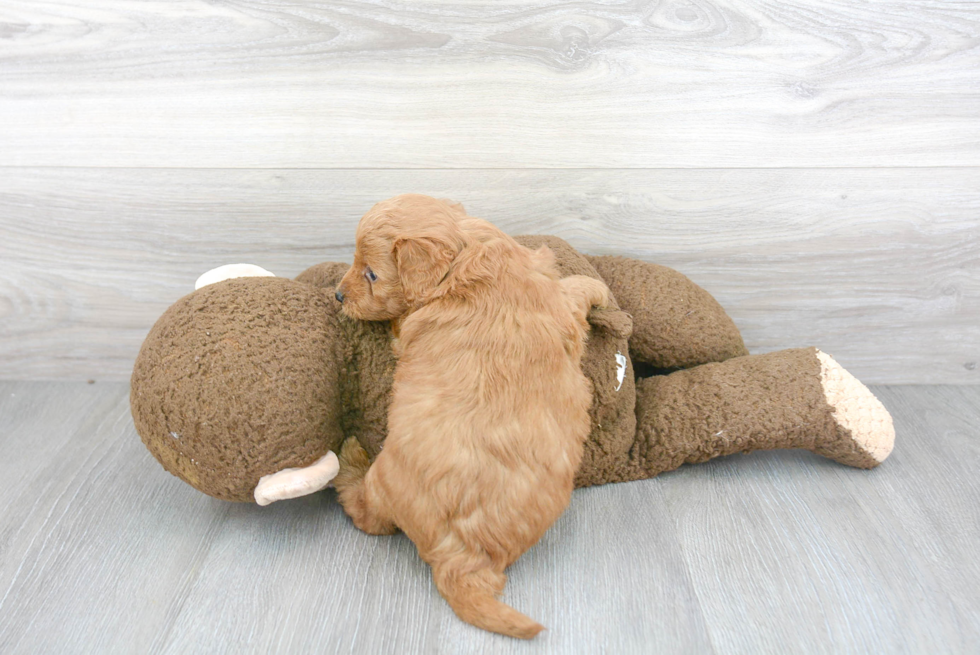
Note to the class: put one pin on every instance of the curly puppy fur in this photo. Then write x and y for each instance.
(490, 407)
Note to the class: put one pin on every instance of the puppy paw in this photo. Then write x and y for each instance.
(582, 294)
(354, 464)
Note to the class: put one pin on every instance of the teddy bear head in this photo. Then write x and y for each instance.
(241, 379)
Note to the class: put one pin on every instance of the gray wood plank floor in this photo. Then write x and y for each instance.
(102, 552)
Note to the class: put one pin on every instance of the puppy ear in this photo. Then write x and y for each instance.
(422, 264)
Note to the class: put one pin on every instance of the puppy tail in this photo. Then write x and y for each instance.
(584, 293)
(471, 595)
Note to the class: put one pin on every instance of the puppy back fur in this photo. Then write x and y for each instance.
(490, 406)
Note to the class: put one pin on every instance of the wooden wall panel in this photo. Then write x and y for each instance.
(270, 83)
(879, 267)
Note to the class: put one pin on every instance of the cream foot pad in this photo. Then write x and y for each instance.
(856, 409)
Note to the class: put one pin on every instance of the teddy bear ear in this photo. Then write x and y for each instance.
(229, 271)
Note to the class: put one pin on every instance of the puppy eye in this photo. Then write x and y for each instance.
(370, 275)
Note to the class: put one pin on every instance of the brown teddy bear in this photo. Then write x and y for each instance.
(247, 387)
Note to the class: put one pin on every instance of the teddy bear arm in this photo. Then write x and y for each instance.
(798, 398)
(676, 323)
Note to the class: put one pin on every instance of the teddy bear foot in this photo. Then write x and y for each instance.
(859, 415)
(296, 482)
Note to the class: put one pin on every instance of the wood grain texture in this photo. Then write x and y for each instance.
(880, 268)
(79, 565)
(826, 560)
(536, 83)
(102, 551)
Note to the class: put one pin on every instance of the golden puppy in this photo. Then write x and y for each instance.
(490, 407)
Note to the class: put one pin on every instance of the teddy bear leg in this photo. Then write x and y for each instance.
(676, 323)
(796, 398)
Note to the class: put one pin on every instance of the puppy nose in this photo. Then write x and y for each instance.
(339, 295)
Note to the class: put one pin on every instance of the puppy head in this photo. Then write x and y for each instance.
(404, 248)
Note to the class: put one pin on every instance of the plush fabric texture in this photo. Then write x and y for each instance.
(695, 415)
(249, 376)
(677, 324)
(238, 380)
(369, 366)
(613, 418)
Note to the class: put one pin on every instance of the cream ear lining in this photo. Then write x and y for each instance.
(229, 271)
(296, 482)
